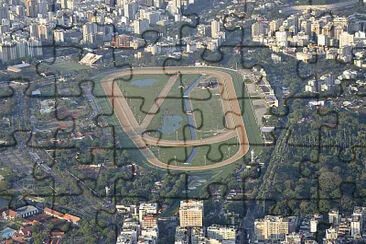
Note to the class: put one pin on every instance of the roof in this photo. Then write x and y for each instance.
(71, 218)
(53, 212)
(10, 213)
(25, 209)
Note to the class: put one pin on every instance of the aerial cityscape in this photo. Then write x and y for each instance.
(182, 121)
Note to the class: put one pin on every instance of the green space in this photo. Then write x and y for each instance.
(247, 110)
(169, 106)
(141, 98)
(206, 154)
(63, 67)
(173, 106)
(209, 117)
(122, 140)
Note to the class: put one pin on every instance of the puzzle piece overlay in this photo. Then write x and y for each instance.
(202, 123)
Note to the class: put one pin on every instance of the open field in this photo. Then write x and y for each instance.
(134, 130)
(206, 154)
(63, 66)
(247, 110)
(173, 106)
(210, 117)
(140, 96)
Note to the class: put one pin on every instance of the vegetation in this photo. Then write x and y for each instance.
(209, 115)
(173, 105)
(142, 98)
(206, 154)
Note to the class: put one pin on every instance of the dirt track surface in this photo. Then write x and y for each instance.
(230, 106)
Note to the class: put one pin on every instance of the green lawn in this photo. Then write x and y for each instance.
(209, 117)
(173, 106)
(141, 99)
(206, 155)
(63, 66)
(211, 175)
(122, 140)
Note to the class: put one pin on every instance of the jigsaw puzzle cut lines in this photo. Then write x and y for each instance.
(135, 130)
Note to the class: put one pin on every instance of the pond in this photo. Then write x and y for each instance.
(143, 83)
(170, 124)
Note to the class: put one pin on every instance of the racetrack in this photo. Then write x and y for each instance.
(230, 106)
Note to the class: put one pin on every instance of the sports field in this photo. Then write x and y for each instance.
(141, 91)
(206, 154)
(173, 106)
(215, 138)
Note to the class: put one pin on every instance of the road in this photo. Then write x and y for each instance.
(129, 124)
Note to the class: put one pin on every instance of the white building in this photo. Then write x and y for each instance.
(346, 39)
(215, 28)
(147, 208)
(221, 232)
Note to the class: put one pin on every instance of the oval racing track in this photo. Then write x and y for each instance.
(135, 131)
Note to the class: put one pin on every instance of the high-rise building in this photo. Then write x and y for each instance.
(190, 213)
(147, 209)
(121, 41)
(215, 28)
(331, 234)
(333, 217)
(130, 10)
(149, 221)
(19, 11)
(140, 26)
(33, 30)
(313, 225)
(282, 38)
(258, 29)
(346, 39)
(58, 35)
(31, 8)
(293, 238)
(35, 48)
(221, 233)
(274, 227)
(356, 226)
(43, 33)
(158, 3)
(89, 29)
(4, 13)
(274, 25)
(323, 40)
(69, 4)
(338, 30)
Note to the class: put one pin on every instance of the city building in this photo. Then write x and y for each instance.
(220, 233)
(334, 217)
(215, 28)
(190, 213)
(147, 209)
(274, 227)
(26, 211)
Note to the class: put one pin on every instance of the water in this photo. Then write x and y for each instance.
(143, 83)
(170, 124)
